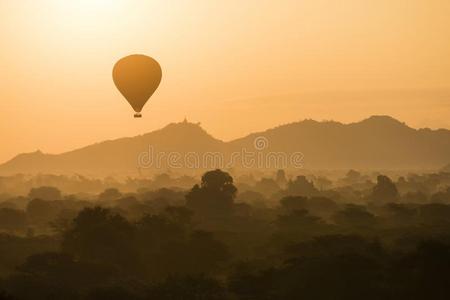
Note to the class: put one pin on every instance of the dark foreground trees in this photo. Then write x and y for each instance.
(215, 244)
(349, 267)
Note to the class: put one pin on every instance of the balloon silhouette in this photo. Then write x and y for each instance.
(137, 77)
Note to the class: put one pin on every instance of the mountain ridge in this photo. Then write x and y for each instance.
(374, 143)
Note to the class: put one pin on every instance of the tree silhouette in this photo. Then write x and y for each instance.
(45, 193)
(354, 216)
(214, 197)
(98, 235)
(385, 190)
(110, 194)
(12, 219)
(301, 187)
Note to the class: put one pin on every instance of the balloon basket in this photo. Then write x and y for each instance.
(137, 115)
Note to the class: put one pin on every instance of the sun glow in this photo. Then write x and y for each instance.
(88, 13)
(90, 6)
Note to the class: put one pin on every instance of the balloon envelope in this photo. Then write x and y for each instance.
(137, 77)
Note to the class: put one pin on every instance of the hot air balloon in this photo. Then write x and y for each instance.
(137, 77)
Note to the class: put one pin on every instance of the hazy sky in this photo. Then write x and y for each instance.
(236, 66)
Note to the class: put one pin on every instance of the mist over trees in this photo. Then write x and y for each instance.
(278, 235)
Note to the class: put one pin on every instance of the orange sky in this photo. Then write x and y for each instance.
(236, 66)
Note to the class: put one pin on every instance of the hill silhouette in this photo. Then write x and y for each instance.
(379, 142)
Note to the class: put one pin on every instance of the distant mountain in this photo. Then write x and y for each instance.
(379, 142)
